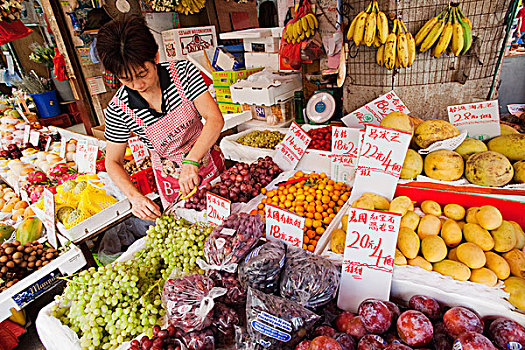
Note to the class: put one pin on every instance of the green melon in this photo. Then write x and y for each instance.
(63, 213)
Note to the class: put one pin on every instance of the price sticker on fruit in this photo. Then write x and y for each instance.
(480, 120)
(138, 149)
(368, 261)
(49, 217)
(218, 209)
(375, 111)
(284, 225)
(345, 149)
(292, 148)
(381, 158)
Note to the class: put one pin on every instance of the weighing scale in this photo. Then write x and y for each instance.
(326, 103)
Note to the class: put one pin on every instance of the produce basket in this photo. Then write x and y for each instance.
(40, 281)
(233, 150)
(313, 159)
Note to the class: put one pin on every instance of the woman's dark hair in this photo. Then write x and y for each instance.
(125, 45)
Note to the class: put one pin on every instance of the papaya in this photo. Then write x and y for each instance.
(29, 230)
(5, 232)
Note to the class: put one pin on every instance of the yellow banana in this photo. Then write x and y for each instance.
(370, 29)
(303, 36)
(444, 40)
(458, 39)
(297, 29)
(389, 57)
(350, 34)
(310, 20)
(377, 41)
(397, 64)
(382, 27)
(316, 22)
(467, 30)
(402, 50)
(411, 49)
(304, 23)
(432, 36)
(360, 28)
(289, 33)
(379, 55)
(427, 27)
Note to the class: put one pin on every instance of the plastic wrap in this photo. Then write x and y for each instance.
(230, 242)
(276, 323)
(261, 269)
(235, 292)
(199, 340)
(308, 279)
(189, 301)
(224, 321)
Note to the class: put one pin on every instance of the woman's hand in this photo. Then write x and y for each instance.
(144, 208)
(188, 178)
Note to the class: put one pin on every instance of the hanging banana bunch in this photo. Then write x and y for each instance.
(302, 26)
(369, 27)
(399, 51)
(450, 30)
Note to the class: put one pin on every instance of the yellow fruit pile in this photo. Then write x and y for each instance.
(302, 28)
(315, 197)
(369, 27)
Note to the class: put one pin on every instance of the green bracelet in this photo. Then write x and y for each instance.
(192, 162)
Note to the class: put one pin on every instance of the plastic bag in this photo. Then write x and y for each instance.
(276, 323)
(230, 242)
(225, 320)
(199, 340)
(236, 294)
(189, 301)
(308, 279)
(262, 267)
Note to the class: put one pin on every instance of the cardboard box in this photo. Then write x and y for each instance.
(228, 108)
(98, 132)
(178, 43)
(264, 93)
(228, 78)
(268, 44)
(262, 59)
(223, 95)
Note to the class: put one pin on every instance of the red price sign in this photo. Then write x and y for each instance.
(92, 152)
(292, 148)
(375, 111)
(284, 225)
(82, 156)
(345, 149)
(368, 257)
(381, 158)
(49, 217)
(138, 149)
(218, 209)
(479, 120)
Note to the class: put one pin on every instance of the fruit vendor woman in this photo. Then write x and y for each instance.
(162, 104)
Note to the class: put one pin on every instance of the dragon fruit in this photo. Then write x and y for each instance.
(36, 193)
(58, 171)
(36, 177)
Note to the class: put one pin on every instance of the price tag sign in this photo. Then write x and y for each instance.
(381, 158)
(345, 143)
(63, 145)
(480, 120)
(82, 156)
(292, 148)
(138, 149)
(49, 217)
(368, 259)
(218, 209)
(27, 132)
(16, 187)
(48, 144)
(34, 138)
(92, 152)
(282, 224)
(374, 112)
(24, 196)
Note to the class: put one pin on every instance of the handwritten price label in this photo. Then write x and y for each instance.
(284, 225)
(63, 145)
(92, 152)
(479, 120)
(218, 209)
(292, 148)
(82, 156)
(49, 217)
(368, 257)
(27, 133)
(375, 111)
(380, 162)
(48, 143)
(34, 138)
(345, 149)
(138, 149)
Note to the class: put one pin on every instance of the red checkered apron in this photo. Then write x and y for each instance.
(172, 138)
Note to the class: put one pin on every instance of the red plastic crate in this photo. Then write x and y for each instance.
(144, 181)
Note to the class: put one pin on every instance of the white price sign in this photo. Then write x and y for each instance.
(48, 144)
(292, 148)
(82, 156)
(63, 145)
(49, 217)
(368, 260)
(381, 159)
(92, 152)
(284, 225)
(27, 132)
(480, 120)
(138, 149)
(375, 111)
(218, 209)
(345, 149)
(34, 138)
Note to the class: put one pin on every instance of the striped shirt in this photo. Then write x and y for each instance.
(118, 125)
